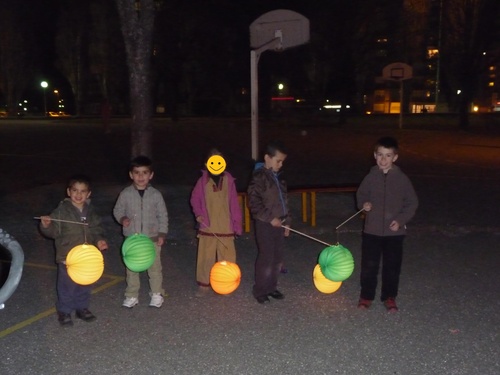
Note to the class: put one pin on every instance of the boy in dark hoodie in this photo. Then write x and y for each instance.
(389, 200)
(268, 203)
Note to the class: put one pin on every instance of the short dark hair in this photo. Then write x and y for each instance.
(212, 152)
(275, 146)
(387, 142)
(141, 161)
(79, 178)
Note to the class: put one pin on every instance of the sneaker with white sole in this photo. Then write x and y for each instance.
(156, 300)
(130, 302)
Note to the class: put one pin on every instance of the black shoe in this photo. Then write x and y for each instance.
(262, 299)
(276, 295)
(64, 319)
(85, 315)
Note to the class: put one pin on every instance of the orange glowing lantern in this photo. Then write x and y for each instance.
(225, 277)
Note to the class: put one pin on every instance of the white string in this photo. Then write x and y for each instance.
(212, 233)
(63, 221)
(305, 235)
(350, 218)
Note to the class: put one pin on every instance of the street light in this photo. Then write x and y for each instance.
(58, 101)
(44, 86)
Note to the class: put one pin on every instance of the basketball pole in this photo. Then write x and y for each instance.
(254, 88)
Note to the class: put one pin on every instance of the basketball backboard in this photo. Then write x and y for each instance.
(397, 71)
(290, 26)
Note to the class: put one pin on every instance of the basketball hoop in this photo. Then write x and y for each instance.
(276, 30)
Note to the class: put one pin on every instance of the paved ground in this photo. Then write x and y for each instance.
(448, 322)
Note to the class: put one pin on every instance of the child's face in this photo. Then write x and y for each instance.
(275, 162)
(141, 177)
(385, 157)
(78, 193)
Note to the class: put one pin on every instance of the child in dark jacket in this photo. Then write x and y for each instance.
(64, 225)
(390, 202)
(268, 203)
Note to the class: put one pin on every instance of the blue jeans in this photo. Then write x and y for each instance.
(389, 249)
(70, 295)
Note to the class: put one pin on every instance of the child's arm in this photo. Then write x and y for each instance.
(119, 211)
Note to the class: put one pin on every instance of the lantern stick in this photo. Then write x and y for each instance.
(212, 233)
(350, 218)
(63, 221)
(306, 235)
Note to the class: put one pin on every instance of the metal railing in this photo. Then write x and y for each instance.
(308, 197)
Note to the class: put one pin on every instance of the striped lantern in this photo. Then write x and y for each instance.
(322, 283)
(138, 252)
(85, 264)
(336, 263)
(225, 277)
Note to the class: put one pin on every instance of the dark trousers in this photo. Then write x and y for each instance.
(70, 295)
(271, 245)
(389, 249)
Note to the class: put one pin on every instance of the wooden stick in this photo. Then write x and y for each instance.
(213, 234)
(63, 221)
(350, 218)
(306, 235)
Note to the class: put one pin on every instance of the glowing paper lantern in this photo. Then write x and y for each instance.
(138, 252)
(336, 263)
(225, 277)
(85, 264)
(322, 283)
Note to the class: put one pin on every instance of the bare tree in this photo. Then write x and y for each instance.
(470, 28)
(137, 22)
(16, 63)
(71, 41)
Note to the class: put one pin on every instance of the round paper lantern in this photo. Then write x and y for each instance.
(322, 283)
(336, 263)
(85, 264)
(225, 277)
(138, 252)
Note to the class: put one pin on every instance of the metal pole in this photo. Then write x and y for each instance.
(401, 104)
(44, 102)
(438, 67)
(254, 88)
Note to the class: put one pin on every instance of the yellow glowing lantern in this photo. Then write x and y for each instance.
(85, 264)
(322, 283)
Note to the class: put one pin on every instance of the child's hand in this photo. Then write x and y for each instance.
(126, 222)
(45, 221)
(367, 206)
(394, 226)
(287, 231)
(276, 222)
(102, 245)
(161, 241)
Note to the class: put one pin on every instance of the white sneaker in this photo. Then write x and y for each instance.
(156, 300)
(130, 302)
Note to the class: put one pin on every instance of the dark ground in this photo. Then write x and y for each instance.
(448, 321)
